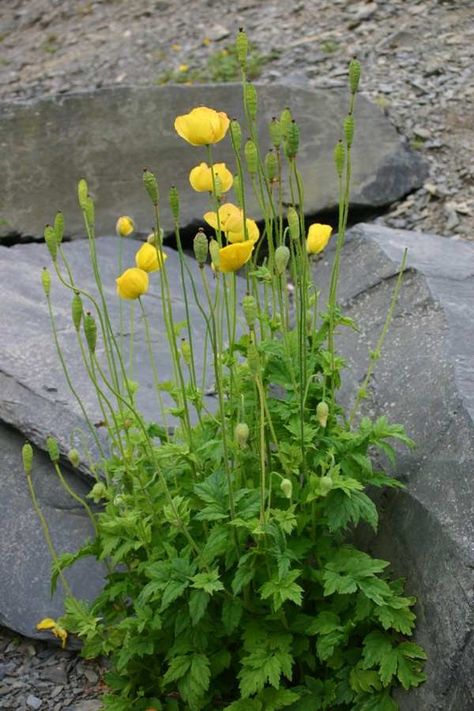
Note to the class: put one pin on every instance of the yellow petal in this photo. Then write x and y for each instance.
(47, 624)
(318, 237)
(234, 256)
(202, 126)
(149, 258)
(238, 235)
(124, 226)
(132, 283)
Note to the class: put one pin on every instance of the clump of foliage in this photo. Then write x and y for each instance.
(232, 580)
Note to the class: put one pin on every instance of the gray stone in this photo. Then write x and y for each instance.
(33, 702)
(425, 380)
(110, 135)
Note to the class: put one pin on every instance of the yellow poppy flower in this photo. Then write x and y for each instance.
(124, 226)
(234, 256)
(318, 237)
(57, 630)
(132, 283)
(202, 126)
(238, 235)
(231, 219)
(200, 177)
(149, 258)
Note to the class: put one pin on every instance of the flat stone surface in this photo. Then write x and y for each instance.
(424, 380)
(109, 136)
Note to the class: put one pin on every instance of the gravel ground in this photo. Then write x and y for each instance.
(417, 60)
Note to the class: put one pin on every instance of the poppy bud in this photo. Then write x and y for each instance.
(292, 140)
(251, 157)
(241, 434)
(349, 129)
(82, 193)
(46, 281)
(51, 241)
(339, 157)
(250, 99)
(59, 226)
(201, 248)
(124, 226)
(282, 257)
(151, 186)
(236, 134)
(27, 457)
(89, 211)
(287, 488)
(174, 202)
(293, 223)
(186, 351)
(271, 165)
(90, 331)
(322, 412)
(214, 251)
(53, 449)
(354, 74)
(241, 47)
(76, 309)
(253, 359)
(285, 119)
(249, 307)
(275, 132)
(98, 492)
(74, 458)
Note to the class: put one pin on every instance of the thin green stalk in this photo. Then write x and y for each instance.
(75, 496)
(156, 379)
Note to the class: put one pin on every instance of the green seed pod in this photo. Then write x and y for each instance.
(151, 186)
(253, 359)
(89, 211)
(349, 129)
(282, 257)
(287, 488)
(174, 202)
(275, 132)
(235, 134)
(293, 223)
(322, 412)
(285, 120)
(76, 310)
(74, 457)
(46, 281)
(251, 156)
(325, 485)
(90, 331)
(186, 351)
(237, 190)
(242, 47)
(27, 457)
(250, 99)
(214, 251)
(51, 241)
(339, 157)
(292, 140)
(241, 434)
(82, 193)
(59, 226)
(53, 449)
(354, 74)
(271, 165)
(249, 307)
(98, 492)
(201, 248)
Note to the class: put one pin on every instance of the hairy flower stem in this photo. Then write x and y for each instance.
(75, 496)
(154, 370)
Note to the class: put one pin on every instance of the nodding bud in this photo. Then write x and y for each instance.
(354, 74)
(46, 281)
(76, 310)
(349, 129)
(253, 359)
(322, 412)
(236, 134)
(282, 257)
(174, 202)
(90, 331)
(287, 488)
(250, 99)
(74, 457)
(27, 457)
(249, 307)
(292, 140)
(214, 251)
(151, 186)
(201, 248)
(325, 485)
(293, 223)
(241, 47)
(98, 492)
(339, 157)
(271, 165)
(82, 193)
(241, 434)
(186, 351)
(59, 226)
(53, 449)
(285, 120)
(275, 132)
(251, 156)
(51, 241)
(238, 190)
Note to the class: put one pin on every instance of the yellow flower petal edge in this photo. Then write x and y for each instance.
(234, 256)
(149, 258)
(231, 219)
(200, 177)
(202, 126)
(47, 624)
(132, 284)
(125, 226)
(253, 233)
(318, 237)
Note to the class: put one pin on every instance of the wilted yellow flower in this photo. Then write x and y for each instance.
(200, 177)
(234, 256)
(124, 226)
(202, 126)
(318, 237)
(132, 283)
(149, 258)
(57, 630)
(231, 220)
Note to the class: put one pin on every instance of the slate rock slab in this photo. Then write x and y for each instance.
(109, 136)
(425, 380)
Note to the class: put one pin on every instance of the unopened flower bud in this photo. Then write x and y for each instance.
(250, 99)
(287, 488)
(174, 202)
(271, 165)
(282, 257)
(251, 156)
(53, 449)
(27, 457)
(201, 248)
(285, 120)
(325, 485)
(90, 331)
(46, 281)
(354, 74)
(186, 351)
(249, 307)
(98, 492)
(51, 241)
(339, 157)
(76, 310)
(74, 457)
(293, 223)
(89, 211)
(322, 412)
(241, 434)
(59, 226)
(235, 134)
(214, 251)
(241, 47)
(253, 359)
(151, 186)
(124, 226)
(82, 193)
(275, 132)
(292, 140)
(349, 129)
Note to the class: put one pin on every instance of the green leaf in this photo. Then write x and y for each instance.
(231, 614)
(274, 699)
(173, 590)
(178, 668)
(401, 619)
(245, 705)
(324, 623)
(216, 544)
(198, 602)
(327, 643)
(283, 589)
(335, 582)
(363, 680)
(209, 582)
(245, 573)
